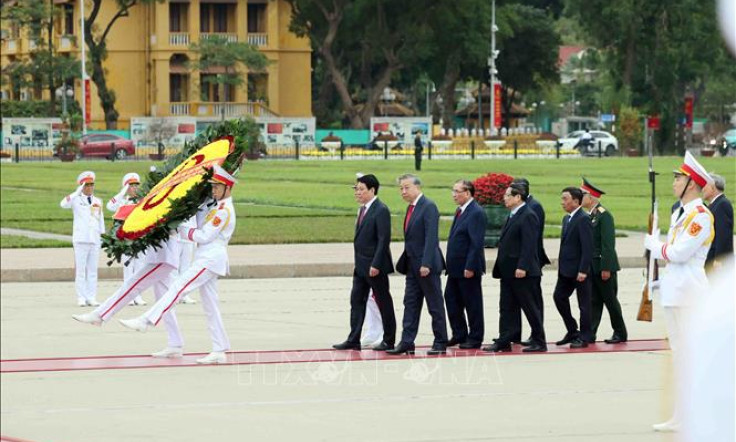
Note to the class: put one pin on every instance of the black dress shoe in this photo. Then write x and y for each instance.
(526, 343)
(347, 346)
(569, 337)
(534, 348)
(402, 348)
(495, 348)
(383, 346)
(469, 345)
(454, 341)
(437, 349)
(614, 340)
(578, 343)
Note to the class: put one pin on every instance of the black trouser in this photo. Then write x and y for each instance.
(518, 294)
(563, 290)
(418, 289)
(538, 300)
(418, 161)
(465, 295)
(358, 299)
(606, 293)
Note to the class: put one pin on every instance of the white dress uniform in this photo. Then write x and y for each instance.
(683, 283)
(115, 203)
(154, 270)
(210, 261)
(89, 224)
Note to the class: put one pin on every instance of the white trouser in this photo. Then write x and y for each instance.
(676, 319)
(86, 255)
(148, 275)
(186, 256)
(130, 269)
(373, 323)
(194, 278)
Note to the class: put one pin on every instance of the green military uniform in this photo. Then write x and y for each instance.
(605, 258)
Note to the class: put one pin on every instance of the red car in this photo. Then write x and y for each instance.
(101, 145)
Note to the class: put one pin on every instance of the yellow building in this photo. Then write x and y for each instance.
(148, 51)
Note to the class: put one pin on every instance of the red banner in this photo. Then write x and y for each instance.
(87, 103)
(653, 122)
(497, 105)
(689, 112)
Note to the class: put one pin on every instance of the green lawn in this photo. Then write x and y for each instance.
(312, 201)
(21, 242)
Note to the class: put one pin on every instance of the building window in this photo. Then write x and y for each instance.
(178, 88)
(216, 17)
(211, 91)
(178, 17)
(68, 19)
(256, 17)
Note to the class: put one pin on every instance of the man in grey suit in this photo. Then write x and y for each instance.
(373, 264)
(466, 264)
(422, 263)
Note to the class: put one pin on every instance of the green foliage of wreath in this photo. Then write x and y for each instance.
(244, 133)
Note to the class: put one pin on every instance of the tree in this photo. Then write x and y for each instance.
(44, 68)
(218, 52)
(362, 45)
(659, 50)
(97, 43)
(529, 45)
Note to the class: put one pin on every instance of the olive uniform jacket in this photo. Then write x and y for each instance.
(604, 241)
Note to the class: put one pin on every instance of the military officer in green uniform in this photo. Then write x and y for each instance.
(605, 264)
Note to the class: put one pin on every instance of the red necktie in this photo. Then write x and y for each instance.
(458, 212)
(409, 211)
(361, 215)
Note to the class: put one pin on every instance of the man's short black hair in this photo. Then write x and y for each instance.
(518, 189)
(523, 182)
(370, 181)
(575, 193)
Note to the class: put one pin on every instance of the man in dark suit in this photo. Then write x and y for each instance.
(538, 210)
(722, 246)
(517, 266)
(576, 251)
(605, 265)
(422, 263)
(466, 264)
(418, 148)
(373, 264)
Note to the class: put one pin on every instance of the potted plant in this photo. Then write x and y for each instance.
(331, 143)
(5, 157)
(388, 139)
(489, 191)
(67, 149)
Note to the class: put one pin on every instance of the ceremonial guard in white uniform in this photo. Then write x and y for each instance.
(683, 283)
(215, 227)
(89, 224)
(127, 196)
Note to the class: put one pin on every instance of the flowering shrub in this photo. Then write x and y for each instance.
(489, 189)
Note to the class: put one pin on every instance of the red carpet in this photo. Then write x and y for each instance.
(290, 357)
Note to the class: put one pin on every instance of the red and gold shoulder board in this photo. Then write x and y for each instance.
(701, 209)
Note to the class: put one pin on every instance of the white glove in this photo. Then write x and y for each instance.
(652, 242)
(79, 190)
(122, 192)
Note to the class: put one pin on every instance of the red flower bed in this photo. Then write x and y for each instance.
(489, 189)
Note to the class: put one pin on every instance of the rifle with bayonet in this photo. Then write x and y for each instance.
(652, 269)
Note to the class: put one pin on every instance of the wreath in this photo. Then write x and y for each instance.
(143, 231)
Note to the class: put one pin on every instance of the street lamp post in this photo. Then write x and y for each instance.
(427, 98)
(387, 96)
(62, 92)
(492, 66)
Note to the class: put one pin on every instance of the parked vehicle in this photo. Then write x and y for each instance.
(608, 143)
(727, 143)
(104, 146)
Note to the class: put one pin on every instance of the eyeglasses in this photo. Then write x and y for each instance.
(459, 191)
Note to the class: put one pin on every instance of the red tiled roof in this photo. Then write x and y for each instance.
(566, 52)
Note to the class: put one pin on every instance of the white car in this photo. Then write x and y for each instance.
(608, 143)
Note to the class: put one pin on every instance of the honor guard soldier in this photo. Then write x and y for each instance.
(128, 195)
(604, 266)
(684, 282)
(215, 227)
(89, 225)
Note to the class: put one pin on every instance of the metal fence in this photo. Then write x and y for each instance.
(516, 147)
